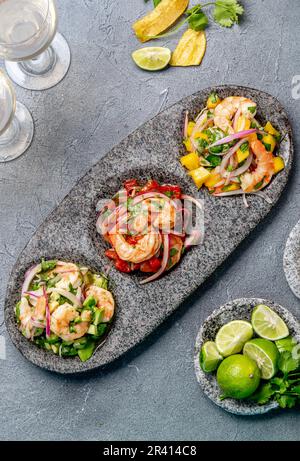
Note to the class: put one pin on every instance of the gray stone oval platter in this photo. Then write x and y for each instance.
(239, 309)
(69, 232)
(291, 260)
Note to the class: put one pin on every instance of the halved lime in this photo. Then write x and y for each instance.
(231, 337)
(152, 58)
(238, 376)
(267, 324)
(210, 357)
(265, 354)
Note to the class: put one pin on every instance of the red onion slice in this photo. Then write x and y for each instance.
(164, 263)
(226, 158)
(232, 137)
(29, 276)
(47, 313)
(242, 169)
(67, 295)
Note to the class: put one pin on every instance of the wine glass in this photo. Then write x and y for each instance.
(37, 57)
(16, 124)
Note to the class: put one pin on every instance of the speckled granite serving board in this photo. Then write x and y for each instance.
(69, 231)
(291, 260)
(239, 309)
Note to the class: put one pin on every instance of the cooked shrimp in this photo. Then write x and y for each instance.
(225, 111)
(63, 316)
(104, 300)
(39, 312)
(264, 169)
(26, 325)
(164, 213)
(146, 247)
(69, 273)
(176, 245)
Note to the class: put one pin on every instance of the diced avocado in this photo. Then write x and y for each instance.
(90, 302)
(92, 330)
(55, 348)
(52, 339)
(100, 281)
(87, 352)
(98, 316)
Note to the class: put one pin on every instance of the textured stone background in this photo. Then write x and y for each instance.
(152, 392)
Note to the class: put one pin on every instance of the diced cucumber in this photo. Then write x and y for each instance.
(80, 343)
(55, 348)
(98, 316)
(52, 339)
(100, 281)
(90, 302)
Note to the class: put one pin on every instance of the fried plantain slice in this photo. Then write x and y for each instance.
(190, 49)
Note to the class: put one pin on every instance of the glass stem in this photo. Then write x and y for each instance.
(41, 64)
(10, 133)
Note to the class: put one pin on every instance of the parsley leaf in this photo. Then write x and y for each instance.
(196, 18)
(264, 394)
(156, 2)
(226, 12)
(286, 401)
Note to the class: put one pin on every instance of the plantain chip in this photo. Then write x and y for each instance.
(190, 49)
(159, 19)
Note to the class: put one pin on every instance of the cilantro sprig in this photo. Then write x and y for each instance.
(225, 12)
(284, 388)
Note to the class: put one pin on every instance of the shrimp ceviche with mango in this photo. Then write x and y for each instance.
(228, 151)
(65, 308)
(146, 227)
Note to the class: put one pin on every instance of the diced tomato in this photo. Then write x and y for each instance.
(152, 265)
(173, 191)
(131, 240)
(111, 254)
(150, 186)
(130, 184)
(135, 267)
(122, 266)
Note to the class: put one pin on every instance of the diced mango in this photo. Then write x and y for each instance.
(231, 187)
(242, 155)
(200, 135)
(190, 161)
(252, 137)
(188, 145)
(190, 128)
(278, 164)
(271, 130)
(212, 180)
(243, 123)
(199, 175)
(269, 142)
(212, 101)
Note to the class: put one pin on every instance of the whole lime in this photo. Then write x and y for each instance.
(238, 376)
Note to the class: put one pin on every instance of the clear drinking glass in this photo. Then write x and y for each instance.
(16, 125)
(37, 57)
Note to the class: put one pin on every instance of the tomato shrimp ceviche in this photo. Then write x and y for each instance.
(228, 151)
(149, 226)
(65, 308)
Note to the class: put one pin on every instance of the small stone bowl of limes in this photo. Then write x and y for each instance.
(240, 352)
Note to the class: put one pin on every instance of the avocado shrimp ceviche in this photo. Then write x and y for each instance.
(228, 150)
(65, 308)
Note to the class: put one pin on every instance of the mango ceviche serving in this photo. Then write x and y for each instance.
(228, 151)
(255, 360)
(65, 308)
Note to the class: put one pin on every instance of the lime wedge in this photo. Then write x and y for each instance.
(152, 58)
(267, 324)
(265, 354)
(210, 357)
(231, 337)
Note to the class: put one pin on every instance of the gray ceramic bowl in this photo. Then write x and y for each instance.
(291, 260)
(239, 309)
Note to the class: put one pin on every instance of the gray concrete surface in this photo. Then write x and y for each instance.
(152, 392)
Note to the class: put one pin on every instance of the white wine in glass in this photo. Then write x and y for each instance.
(16, 125)
(37, 56)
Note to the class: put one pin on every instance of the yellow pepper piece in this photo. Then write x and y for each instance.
(213, 179)
(158, 20)
(269, 142)
(190, 128)
(188, 145)
(199, 176)
(278, 164)
(231, 187)
(242, 155)
(271, 130)
(190, 161)
(190, 49)
(243, 123)
(212, 101)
